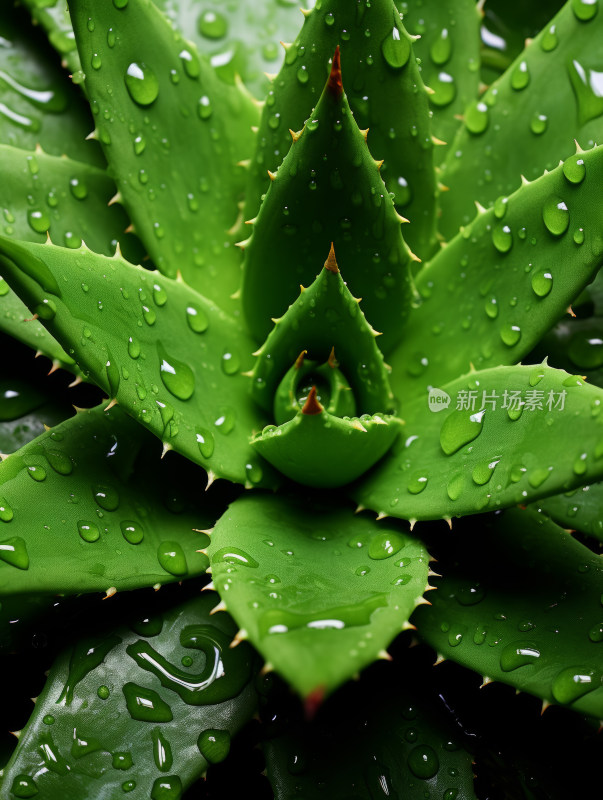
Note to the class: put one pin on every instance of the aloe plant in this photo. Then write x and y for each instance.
(311, 320)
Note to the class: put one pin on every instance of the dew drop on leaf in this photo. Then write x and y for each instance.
(142, 84)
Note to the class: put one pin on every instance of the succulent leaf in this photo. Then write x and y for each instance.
(24, 413)
(552, 88)
(173, 134)
(37, 104)
(506, 279)
(134, 330)
(120, 712)
(540, 635)
(69, 497)
(53, 17)
(328, 190)
(488, 440)
(319, 591)
(379, 65)
(385, 740)
(325, 316)
(577, 510)
(449, 54)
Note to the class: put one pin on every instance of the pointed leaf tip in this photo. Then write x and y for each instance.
(335, 83)
(312, 407)
(331, 262)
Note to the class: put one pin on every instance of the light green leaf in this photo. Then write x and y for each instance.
(173, 134)
(71, 497)
(142, 709)
(45, 195)
(528, 119)
(449, 55)
(317, 590)
(488, 440)
(37, 103)
(526, 610)
(491, 294)
(171, 358)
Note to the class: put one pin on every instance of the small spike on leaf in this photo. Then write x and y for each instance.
(331, 262)
(335, 82)
(312, 407)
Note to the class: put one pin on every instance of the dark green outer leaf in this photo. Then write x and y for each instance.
(317, 590)
(524, 130)
(69, 498)
(173, 134)
(37, 103)
(578, 510)
(121, 714)
(526, 610)
(172, 358)
(491, 294)
(503, 436)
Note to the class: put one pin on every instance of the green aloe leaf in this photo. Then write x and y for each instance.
(45, 195)
(70, 497)
(489, 613)
(142, 709)
(378, 65)
(380, 741)
(171, 358)
(53, 17)
(488, 440)
(495, 290)
(318, 591)
(576, 345)
(173, 134)
(37, 103)
(24, 413)
(577, 510)
(552, 89)
(328, 190)
(449, 54)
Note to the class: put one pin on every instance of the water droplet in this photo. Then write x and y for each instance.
(556, 215)
(538, 124)
(384, 545)
(538, 476)
(133, 532)
(225, 421)
(423, 762)
(171, 557)
(113, 375)
(23, 786)
(142, 84)
(205, 442)
(580, 465)
(162, 751)
(441, 48)
(444, 90)
(502, 238)
(500, 207)
(197, 319)
(103, 692)
(205, 108)
(586, 350)
(585, 10)
(6, 512)
(39, 221)
(14, 552)
(518, 654)
(253, 473)
(549, 40)
(120, 3)
(96, 61)
(214, 745)
(520, 77)
(470, 594)
(510, 334)
(212, 24)
(542, 282)
(78, 189)
(233, 555)
(177, 377)
(574, 682)
(574, 169)
(455, 486)
(121, 760)
(133, 347)
(586, 84)
(145, 704)
(168, 788)
(303, 76)
(491, 307)
(418, 483)
(396, 49)
(483, 472)
(59, 461)
(191, 63)
(477, 118)
(89, 531)
(107, 497)
(460, 428)
(595, 634)
(159, 295)
(37, 473)
(231, 363)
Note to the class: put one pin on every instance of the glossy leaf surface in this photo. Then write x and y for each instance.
(577, 510)
(317, 590)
